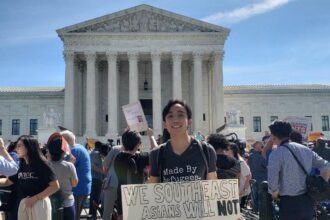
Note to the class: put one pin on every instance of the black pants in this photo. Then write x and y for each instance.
(95, 196)
(296, 207)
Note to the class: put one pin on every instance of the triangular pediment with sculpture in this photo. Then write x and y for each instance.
(142, 19)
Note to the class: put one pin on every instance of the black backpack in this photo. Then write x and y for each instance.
(202, 147)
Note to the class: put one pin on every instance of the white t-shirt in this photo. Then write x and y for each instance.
(245, 171)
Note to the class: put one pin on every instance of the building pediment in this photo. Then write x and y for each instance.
(143, 18)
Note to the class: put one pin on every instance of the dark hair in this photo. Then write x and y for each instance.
(172, 102)
(130, 139)
(103, 148)
(11, 147)
(218, 141)
(280, 129)
(55, 149)
(235, 149)
(98, 145)
(295, 136)
(166, 135)
(33, 150)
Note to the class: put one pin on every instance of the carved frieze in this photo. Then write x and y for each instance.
(143, 21)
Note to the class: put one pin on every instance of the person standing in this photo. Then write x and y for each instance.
(130, 164)
(65, 172)
(258, 167)
(286, 179)
(80, 157)
(35, 179)
(96, 156)
(110, 184)
(228, 167)
(182, 151)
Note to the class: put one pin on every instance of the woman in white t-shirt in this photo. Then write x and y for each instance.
(245, 177)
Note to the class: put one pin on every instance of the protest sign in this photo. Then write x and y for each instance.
(300, 124)
(135, 117)
(206, 199)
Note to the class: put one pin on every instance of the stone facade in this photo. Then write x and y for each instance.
(108, 60)
(251, 101)
(26, 104)
(151, 55)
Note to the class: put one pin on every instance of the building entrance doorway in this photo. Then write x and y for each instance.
(147, 109)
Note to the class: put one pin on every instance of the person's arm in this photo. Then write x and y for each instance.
(212, 176)
(73, 177)
(153, 179)
(274, 168)
(268, 146)
(4, 182)
(51, 189)
(8, 166)
(152, 140)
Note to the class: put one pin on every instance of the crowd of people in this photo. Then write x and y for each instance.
(66, 173)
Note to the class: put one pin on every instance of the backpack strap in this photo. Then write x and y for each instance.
(131, 165)
(295, 157)
(161, 162)
(203, 149)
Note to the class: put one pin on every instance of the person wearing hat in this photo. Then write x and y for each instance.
(64, 171)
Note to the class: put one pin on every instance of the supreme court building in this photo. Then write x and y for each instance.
(151, 55)
(141, 54)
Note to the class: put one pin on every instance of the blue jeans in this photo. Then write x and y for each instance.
(69, 213)
(79, 202)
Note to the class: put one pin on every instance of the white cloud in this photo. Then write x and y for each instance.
(243, 13)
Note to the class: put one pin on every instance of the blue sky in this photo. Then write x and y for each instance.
(271, 41)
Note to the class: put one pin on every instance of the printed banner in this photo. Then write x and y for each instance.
(135, 118)
(207, 199)
(300, 124)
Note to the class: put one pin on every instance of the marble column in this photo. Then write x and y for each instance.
(177, 82)
(156, 93)
(198, 92)
(112, 95)
(133, 76)
(217, 90)
(91, 95)
(69, 90)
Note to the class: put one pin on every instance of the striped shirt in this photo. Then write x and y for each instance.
(284, 173)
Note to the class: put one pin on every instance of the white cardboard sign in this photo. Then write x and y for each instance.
(135, 118)
(206, 199)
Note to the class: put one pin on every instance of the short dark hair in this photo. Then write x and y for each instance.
(218, 141)
(130, 139)
(55, 149)
(11, 146)
(235, 150)
(296, 136)
(280, 129)
(172, 102)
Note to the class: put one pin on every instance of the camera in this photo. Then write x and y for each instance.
(233, 138)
